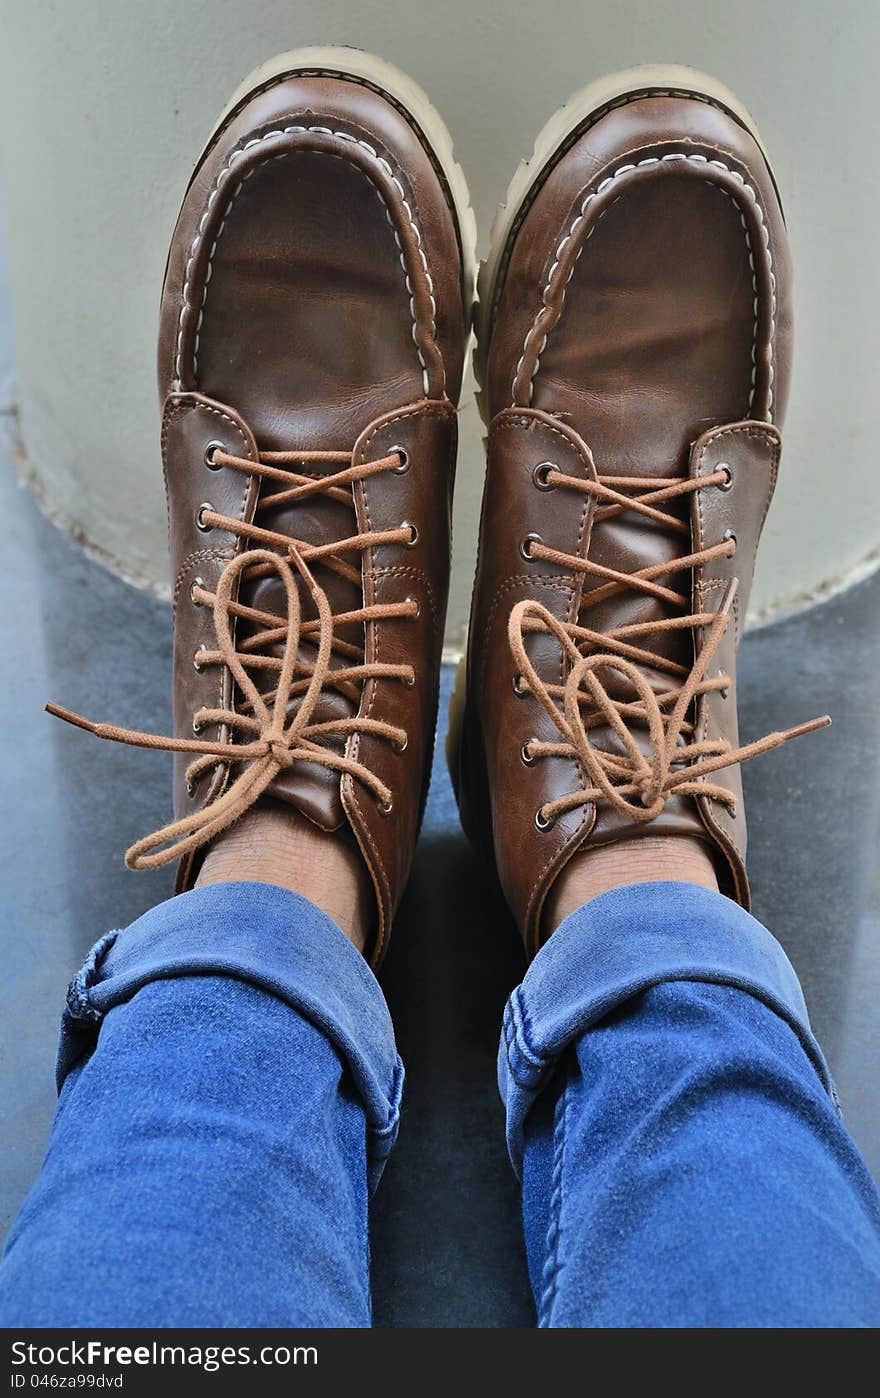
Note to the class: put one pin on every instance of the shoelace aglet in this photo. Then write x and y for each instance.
(728, 595)
(824, 721)
(69, 716)
(296, 557)
(135, 739)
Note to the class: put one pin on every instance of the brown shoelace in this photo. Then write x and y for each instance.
(633, 782)
(269, 740)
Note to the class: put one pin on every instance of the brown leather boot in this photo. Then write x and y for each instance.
(314, 322)
(634, 352)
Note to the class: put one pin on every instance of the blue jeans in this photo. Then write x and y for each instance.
(230, 1090)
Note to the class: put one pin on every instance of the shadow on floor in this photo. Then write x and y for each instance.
(446, 1241)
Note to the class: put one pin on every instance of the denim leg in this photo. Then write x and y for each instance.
(230, 1089)
(671, 1115)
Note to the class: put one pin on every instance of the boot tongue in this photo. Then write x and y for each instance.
(629, 542)
(312, 790)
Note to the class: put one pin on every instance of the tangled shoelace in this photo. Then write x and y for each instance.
(272, 741)
(636, 783)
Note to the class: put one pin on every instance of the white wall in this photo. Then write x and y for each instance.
(105, 105)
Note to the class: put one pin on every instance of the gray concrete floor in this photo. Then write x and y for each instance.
(446, 1242)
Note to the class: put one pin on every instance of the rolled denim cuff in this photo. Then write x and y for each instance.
(623, 943)
(274, 940)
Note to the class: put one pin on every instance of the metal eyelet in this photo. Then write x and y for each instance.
(402, 452)
(540, 474)
(196, 726)
(410, 680)
(413, 534)
(732, 811)
(729, 534)
(525, 547)
(401, 747)
(725, 691)
(196, 582)
(190, 789)
(525, 753)
(520, 687)
(211, 464)
(728, 484)
(541, 821)
(414, 601)
(196, 665)
(385, 807)
(200, 523)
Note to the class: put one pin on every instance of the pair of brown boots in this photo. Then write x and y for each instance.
(633, 355)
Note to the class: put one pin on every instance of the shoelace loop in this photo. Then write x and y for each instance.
(636, 783)
(269, 741)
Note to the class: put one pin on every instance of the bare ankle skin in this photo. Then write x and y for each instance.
(277, 846)
(654, 859)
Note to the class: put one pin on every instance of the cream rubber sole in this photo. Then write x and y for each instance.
(584, 107)
(404, 93)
